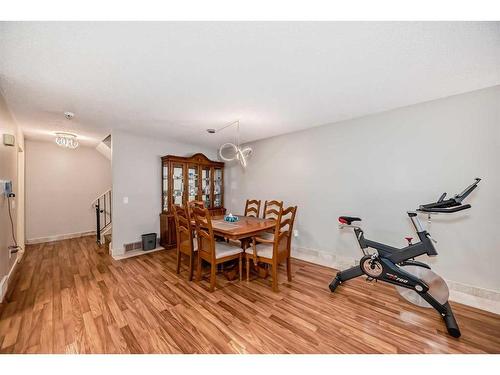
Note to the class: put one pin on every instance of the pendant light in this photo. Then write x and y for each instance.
(233, 151)
(67, 140)
(64, 139)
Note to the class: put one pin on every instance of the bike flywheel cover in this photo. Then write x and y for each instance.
(438, 288)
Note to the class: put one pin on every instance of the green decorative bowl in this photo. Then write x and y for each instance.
(231, 219)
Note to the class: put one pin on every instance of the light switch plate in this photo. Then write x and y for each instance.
(125, 200)
(9, 140)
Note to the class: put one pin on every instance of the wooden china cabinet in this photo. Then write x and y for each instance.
(186, 179)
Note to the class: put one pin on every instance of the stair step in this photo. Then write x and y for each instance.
(107, 239)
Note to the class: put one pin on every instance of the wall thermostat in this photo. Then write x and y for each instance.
(9, 140)
(6, 187)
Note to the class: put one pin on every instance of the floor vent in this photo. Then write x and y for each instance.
(132, 246)
(137, 245)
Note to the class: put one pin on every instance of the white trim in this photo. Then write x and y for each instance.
(59, 237)
(95, 200)
(481, 298)
(324, 259)
(134, 253)
(488, 294)
(4, 284)
(107, 229)
(3, 287)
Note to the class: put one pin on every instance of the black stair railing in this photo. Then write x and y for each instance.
(103, 214)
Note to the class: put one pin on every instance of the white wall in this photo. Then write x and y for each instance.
(136, 166)
(380, 166)
(21, 193)
(9, 171)
(60, 187)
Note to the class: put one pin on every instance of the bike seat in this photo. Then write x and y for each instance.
(348, 219)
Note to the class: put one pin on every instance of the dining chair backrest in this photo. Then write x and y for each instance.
(286, 224)
(252, 208)
(272, 209)
(199, 204)
(283, 231)
(183, 229)
(204, 231)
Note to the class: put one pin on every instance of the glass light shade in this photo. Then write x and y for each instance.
(230, 152)
(67, 140)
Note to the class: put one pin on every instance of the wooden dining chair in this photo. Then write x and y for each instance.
(199, 204)
(211, 251)
(185, 241)
(276, 250)
(252, 208)
(271, 211)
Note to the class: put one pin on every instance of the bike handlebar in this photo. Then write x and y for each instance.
(445, 210)
(450, 205)
(460, 197)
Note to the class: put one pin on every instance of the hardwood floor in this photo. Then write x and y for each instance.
(71, 297)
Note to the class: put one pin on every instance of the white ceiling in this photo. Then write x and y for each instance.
(174, 79)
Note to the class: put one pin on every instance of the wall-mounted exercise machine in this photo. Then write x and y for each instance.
(414, 280)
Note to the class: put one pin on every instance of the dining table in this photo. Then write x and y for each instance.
(245, 227)
(243, 230)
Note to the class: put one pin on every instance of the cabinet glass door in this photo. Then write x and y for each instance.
(218, 186)
(165, 187)
(206, 193)
(178, 184)
(193, 183)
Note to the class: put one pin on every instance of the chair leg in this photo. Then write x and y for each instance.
(248, 268)
(198, 267)
(275, 278)
(241, 267)
(191, 267)
(289, 269)
(213, 269)
(178, 262)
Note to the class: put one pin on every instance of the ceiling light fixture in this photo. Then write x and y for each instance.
(64, 139)
(69, 115)
(231, 151)
(67, 140)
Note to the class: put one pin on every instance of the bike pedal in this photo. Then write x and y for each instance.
(369, 279)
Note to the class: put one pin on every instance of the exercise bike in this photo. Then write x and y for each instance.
(414, 280)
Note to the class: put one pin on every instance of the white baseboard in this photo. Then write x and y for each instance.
(58, 237)
(481, 298)
(4, 283)
(134, 253)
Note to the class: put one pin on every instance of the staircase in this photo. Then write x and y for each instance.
(102, 204)
(104, 147)
(103, 215)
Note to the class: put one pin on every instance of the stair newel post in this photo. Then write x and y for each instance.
(98, 221)
(104, 197)
(110, 207)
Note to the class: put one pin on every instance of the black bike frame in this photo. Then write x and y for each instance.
(394, 254)
(391, 258)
